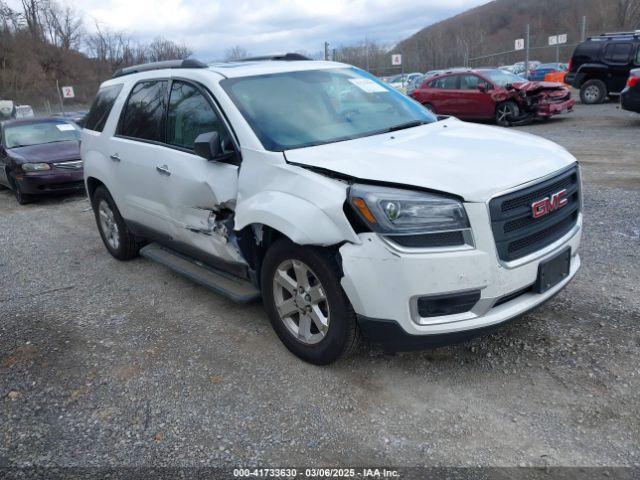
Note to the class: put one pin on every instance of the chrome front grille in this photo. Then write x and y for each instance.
(70, 165)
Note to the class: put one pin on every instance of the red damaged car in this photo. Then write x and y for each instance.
(487, 94)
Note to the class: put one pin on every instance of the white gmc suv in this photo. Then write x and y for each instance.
(351, 209)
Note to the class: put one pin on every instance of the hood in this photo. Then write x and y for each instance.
(47, 152)
(465, 159)
(532, 86)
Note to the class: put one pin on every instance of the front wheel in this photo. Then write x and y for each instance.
(305, 303)
(506, 113)
(21, 198)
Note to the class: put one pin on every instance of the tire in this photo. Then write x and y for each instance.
(593, 92)
(313, 274)
(430, 107)
(21, 198)
(505, 113)
(120, 242)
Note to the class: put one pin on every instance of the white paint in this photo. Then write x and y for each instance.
(65, 127)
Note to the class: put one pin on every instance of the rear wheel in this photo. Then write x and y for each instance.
(506, 112)
(593, 92)
(120, 242)
(430, 107)
(306, 304)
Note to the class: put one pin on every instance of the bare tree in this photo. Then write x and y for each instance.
(32, 12)
(163, 49)
(235, 53)
(628, 13)
(64, 25)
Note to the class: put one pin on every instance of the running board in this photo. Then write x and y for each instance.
(236, 289)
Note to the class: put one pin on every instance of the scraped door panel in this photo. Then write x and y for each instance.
(199, 193)
(200, 197)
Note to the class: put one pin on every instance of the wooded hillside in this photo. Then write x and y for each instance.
(493, 28)
(45, 41)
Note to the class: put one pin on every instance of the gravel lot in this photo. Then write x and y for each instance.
(104, 363)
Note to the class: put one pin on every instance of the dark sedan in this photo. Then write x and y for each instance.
(630, 97)
(40, 156)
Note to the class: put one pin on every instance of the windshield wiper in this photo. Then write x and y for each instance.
(404, 126)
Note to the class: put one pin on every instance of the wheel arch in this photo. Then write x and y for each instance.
(92, 185)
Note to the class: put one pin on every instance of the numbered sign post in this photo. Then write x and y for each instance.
(67, 92)
(519, 44)
(396, 59)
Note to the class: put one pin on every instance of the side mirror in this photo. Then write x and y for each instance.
(207, 145)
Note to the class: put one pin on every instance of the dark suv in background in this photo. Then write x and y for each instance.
(600, 66)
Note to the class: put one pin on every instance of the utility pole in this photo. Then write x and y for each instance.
(326, 51)
(526, 50)
(59, 96)
(583, 29)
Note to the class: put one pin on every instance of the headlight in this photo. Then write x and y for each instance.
(35, 167)
(398, 213)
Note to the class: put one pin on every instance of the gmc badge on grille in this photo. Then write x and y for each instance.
(549, 204)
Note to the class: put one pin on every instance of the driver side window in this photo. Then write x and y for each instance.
(191, 114)
(445, 83)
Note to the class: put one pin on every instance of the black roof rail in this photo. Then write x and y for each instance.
(145, 67)
(287, 57)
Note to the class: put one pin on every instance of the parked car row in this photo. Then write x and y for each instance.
(491, 94)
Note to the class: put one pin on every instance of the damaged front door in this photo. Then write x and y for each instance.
(200, 194)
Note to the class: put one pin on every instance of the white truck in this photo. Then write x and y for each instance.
(349, 208)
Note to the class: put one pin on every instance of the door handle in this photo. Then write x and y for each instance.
(163, 169)
(115, 157)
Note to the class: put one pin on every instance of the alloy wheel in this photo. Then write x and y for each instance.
(504, 112)
(108, 225)
(592, 93)
(301, 301)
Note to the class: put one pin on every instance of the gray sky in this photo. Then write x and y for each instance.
(209, 27)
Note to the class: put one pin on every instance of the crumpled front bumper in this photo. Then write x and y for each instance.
(548, 109)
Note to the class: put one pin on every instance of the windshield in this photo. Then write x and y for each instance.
(300, 109)
(502, 78)
(39, 133)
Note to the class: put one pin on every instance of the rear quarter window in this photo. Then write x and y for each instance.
(618, 52)
(101, 107)
(587, 52)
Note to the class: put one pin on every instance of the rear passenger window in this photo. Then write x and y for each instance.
(143, 116)
(101, 107)
(638, 57)
(190, 114)
(618, 52)
(445, 83)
